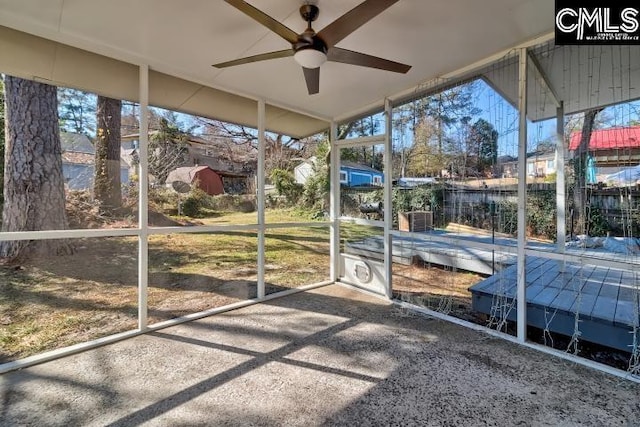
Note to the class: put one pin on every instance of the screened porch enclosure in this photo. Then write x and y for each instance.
(543, 221)
(474, 202)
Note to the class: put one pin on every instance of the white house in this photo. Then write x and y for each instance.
(78, 162)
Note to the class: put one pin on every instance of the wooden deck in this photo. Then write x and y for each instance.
(430, 250)
(605, 300)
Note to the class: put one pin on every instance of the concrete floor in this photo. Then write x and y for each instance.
(332, 356)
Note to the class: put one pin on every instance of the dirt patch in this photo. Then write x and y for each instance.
(83, 212)
(49, 302)
(436, 288)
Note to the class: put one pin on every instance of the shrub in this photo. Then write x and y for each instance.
(286, 185)
(550, 178)
(507, 217)
(315, 194)
(597, 224)
(541, 214)
(193, 204)
(234, 203)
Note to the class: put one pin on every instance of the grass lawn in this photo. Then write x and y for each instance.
(52, 302)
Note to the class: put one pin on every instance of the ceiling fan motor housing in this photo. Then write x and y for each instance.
(309, 39)
(309, 12)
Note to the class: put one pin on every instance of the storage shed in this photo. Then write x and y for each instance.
(206, 178)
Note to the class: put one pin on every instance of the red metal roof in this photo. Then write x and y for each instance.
(609, 139)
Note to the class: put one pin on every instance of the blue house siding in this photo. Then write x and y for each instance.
(360, 177)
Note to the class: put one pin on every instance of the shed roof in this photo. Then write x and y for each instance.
(78, 158)
(353, 165)
(186, 173)
(609, 139)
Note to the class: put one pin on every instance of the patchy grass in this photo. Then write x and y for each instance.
(296, 256)
(53, 302)
(272, 216)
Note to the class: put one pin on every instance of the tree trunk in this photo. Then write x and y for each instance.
(33, 181)
(107, 187)
(580, 169)
(1, 137)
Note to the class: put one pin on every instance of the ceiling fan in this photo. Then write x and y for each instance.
(311, 49)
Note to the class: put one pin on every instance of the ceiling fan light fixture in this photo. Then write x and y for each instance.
(310, 58)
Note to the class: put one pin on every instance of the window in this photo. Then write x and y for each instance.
(377, 180)
(551, 165)
(531, 168)
(343, 177)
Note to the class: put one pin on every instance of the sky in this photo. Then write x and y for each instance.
(492, 107)
(504, 117)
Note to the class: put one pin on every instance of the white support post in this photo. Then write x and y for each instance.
(388, 208)
(334, 202)
(522, 196)
(261, 198)
(143, 199)
(561, 237)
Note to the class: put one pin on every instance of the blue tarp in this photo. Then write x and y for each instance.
(627, 176)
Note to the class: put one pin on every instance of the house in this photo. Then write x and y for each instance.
(351, 174)
(541, 163)
(235, 166)
(507, 167)
(611, 148)
(206, 178)
(78, 162)
(357, 175)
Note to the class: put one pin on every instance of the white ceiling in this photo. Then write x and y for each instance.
(183, 38)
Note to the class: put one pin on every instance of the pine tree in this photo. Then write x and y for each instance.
(33, 182)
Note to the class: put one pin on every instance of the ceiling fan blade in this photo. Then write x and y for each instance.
(352, 20)
(312, 77)
(345, 56)
(283, 31)
(256, 58)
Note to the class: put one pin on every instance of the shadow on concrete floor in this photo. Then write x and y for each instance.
(332, 356)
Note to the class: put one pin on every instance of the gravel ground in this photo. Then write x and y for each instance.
(332, 356)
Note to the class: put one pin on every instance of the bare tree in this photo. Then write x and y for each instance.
(168, 149)
(580, 170)
(33, 181)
